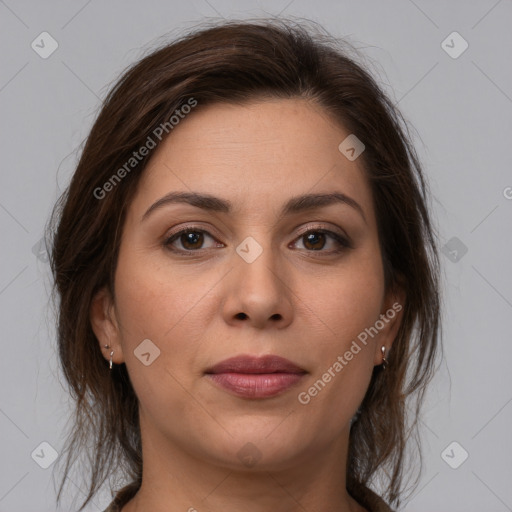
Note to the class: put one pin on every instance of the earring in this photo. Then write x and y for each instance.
(111, 354)
(384, 361)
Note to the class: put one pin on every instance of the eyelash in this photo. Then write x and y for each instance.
(339, 239)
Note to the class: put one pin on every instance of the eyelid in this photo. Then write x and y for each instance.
(319, 226)
(209, 230)
(190, 228)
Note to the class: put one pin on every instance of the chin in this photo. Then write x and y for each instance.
(259, 449)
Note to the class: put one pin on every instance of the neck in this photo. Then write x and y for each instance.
(174, 480)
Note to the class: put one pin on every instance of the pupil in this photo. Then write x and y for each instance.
(315, 239)
(191, 239)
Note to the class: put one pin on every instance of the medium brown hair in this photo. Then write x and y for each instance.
(236, 62)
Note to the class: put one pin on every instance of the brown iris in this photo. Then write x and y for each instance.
(315, 240)
(192, 240)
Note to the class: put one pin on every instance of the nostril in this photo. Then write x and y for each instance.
(241, 316)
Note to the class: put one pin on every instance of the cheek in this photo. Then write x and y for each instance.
(156, 305)
(347, 304)
(350, 300)
(151, 304)
(152, 300)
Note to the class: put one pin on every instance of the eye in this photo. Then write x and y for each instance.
(318, 239)
(193, 239)
(190, 239)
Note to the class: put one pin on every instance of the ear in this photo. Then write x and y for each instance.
(105, 325)
(391, 317)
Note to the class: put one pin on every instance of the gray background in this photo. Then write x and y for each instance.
(461, 108)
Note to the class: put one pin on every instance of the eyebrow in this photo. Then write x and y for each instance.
(215, 204)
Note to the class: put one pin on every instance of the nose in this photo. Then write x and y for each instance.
(258, 294)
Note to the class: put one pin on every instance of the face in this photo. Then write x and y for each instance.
(270, 251)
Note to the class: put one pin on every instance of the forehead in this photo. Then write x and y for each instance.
(256, 155)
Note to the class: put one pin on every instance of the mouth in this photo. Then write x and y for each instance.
(256, 377)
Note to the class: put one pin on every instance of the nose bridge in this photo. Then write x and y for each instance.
(257, 291)
(258, 270)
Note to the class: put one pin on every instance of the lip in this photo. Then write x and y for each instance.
(256, 377)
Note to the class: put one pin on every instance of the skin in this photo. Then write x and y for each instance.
(303, 304)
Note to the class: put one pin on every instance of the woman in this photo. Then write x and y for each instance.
(248, 280)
